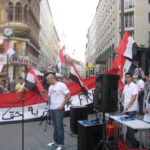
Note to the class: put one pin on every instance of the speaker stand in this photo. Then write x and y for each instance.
(103, 145)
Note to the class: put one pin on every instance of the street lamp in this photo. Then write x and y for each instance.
(122, 18)
(7, 32)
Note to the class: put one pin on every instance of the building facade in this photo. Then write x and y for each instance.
(103, 37)
(49, 40)
(107, 21)
(23, 17)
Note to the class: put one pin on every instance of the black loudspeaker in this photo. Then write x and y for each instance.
(105, 97)
(77, 113)
(88, 135)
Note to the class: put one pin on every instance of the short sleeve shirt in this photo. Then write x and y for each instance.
(19, 87)
(57, 93)
(140, 84)
(129, 91)
(147, 115)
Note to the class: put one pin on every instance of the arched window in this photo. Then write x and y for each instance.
(10, 11)
(25, 13)
(18, 12)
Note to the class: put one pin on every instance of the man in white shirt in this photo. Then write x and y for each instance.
(59, 95)
(140, 86)
(147, 109)
(129, 100)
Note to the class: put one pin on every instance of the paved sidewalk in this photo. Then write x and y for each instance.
(34, 136)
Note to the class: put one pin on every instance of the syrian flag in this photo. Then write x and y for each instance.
(61, 57)
(74, 76)
(118, 61)
(9, 50)
(124, 65)
(126, 52)
(127, 66)
(127, 46)
(32, 81)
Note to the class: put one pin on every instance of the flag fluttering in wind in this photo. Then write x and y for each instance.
(61, 57)
(75, 76)
(9, 50)
(32, 80)
(127, 46)
(126, 52)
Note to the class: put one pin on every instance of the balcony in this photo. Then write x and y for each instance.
(20, 29)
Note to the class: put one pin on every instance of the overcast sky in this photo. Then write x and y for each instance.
(72, 19)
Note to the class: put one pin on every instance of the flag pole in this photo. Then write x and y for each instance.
(7, 65)
(122, 18)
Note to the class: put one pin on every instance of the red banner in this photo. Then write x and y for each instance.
(29, 98)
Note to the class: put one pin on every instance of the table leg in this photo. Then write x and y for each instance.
(140, 139)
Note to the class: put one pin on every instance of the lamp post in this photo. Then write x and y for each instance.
(8, 32)
(122, 18)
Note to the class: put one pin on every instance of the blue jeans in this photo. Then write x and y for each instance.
(57, 120)
(130, 132)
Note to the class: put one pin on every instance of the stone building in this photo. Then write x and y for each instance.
(22, 17)
(48, 40)
(104, 33)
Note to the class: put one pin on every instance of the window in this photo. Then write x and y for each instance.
(129, 20)
(25, 13)
(18, 12)
(10, 11)
(128, 4)
(149, 1)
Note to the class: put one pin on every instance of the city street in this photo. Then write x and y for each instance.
(74, 57)
(34, 136)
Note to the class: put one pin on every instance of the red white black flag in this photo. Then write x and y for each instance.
(61, 57)
(75, 76)
(32, 81)
(127, 46)
(127, 51)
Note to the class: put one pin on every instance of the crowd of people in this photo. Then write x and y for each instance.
(136, 100)
(13, 86)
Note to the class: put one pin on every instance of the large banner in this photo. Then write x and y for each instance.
(35, 105)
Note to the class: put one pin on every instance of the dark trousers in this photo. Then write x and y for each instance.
(140, 101)
(130, 132)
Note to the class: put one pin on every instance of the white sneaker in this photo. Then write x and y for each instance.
(52, 144)
(60, 147)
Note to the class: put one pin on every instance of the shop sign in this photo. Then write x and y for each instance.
(21, 60)
(3, 59)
